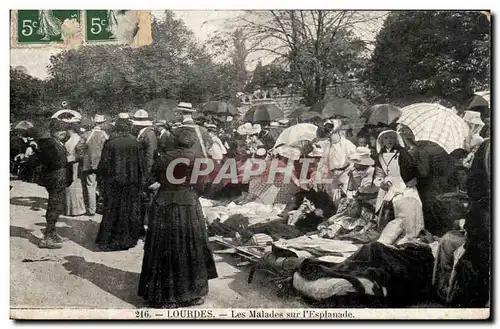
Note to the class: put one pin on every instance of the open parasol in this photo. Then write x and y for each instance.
(23, 125)
(480, 99)
(263, 112)
(296, 134)
(72, 113)
(336, 107)
(435, 123)
(382, 113)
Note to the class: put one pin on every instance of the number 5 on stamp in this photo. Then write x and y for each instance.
(102, 25)
(42, 26)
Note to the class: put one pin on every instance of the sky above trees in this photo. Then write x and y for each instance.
(202, 22)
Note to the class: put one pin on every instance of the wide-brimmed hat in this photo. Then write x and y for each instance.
(249, 129)
(283, 122)
(99, 118)
(141, 118)
(185, 107)
(288, 152)
(362, 156)
(317, 151)
(123, 115)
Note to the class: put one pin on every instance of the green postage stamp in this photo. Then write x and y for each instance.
(73, 28)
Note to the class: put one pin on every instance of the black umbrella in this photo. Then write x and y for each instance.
(263, 112)
(219, 108)
(336, 107)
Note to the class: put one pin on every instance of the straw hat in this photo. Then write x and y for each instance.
(317, 151)
(362, 157)
(288, 152)
(185, 107)
(283, 122)
(99, 118)
(123, 115)
(141, 118)
(249, 129)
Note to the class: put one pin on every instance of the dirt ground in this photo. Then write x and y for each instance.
(80, 276)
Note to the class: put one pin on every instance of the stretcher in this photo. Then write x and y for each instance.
(253, 257)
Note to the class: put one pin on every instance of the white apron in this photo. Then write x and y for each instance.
(406, 201)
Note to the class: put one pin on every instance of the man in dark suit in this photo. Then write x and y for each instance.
(51, 155)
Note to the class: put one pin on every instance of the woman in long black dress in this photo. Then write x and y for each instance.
(120, 177)
(177, 260)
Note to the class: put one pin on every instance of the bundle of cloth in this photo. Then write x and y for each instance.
(286, 256)
(376, 275)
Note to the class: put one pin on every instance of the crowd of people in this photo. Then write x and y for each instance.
(403, 188)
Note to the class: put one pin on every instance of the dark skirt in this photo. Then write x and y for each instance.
(177, 260)
(121, 222)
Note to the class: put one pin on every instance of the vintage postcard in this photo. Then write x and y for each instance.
(250, 164)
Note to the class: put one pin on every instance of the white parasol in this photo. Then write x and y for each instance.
(76, 114)
(435, 123)
(296, 134)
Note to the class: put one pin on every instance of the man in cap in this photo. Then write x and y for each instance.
(90, 148)
(51, 154)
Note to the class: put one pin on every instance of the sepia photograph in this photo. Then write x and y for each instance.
(250, 164)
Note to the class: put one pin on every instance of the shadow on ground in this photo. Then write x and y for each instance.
(120, 284)
(34, 202)
(21, 232)
(81, 232)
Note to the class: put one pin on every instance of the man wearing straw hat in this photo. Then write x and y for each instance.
(204, 141)
(146, 136)
(90, 148)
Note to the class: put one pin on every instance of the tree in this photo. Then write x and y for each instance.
(113, 78)
(431, 53)
(320, 47)
(27, 95)
(269, 76)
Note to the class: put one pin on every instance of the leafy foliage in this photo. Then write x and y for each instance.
(318, 46)
(114, 78)
(27, 95)
(440, 54)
